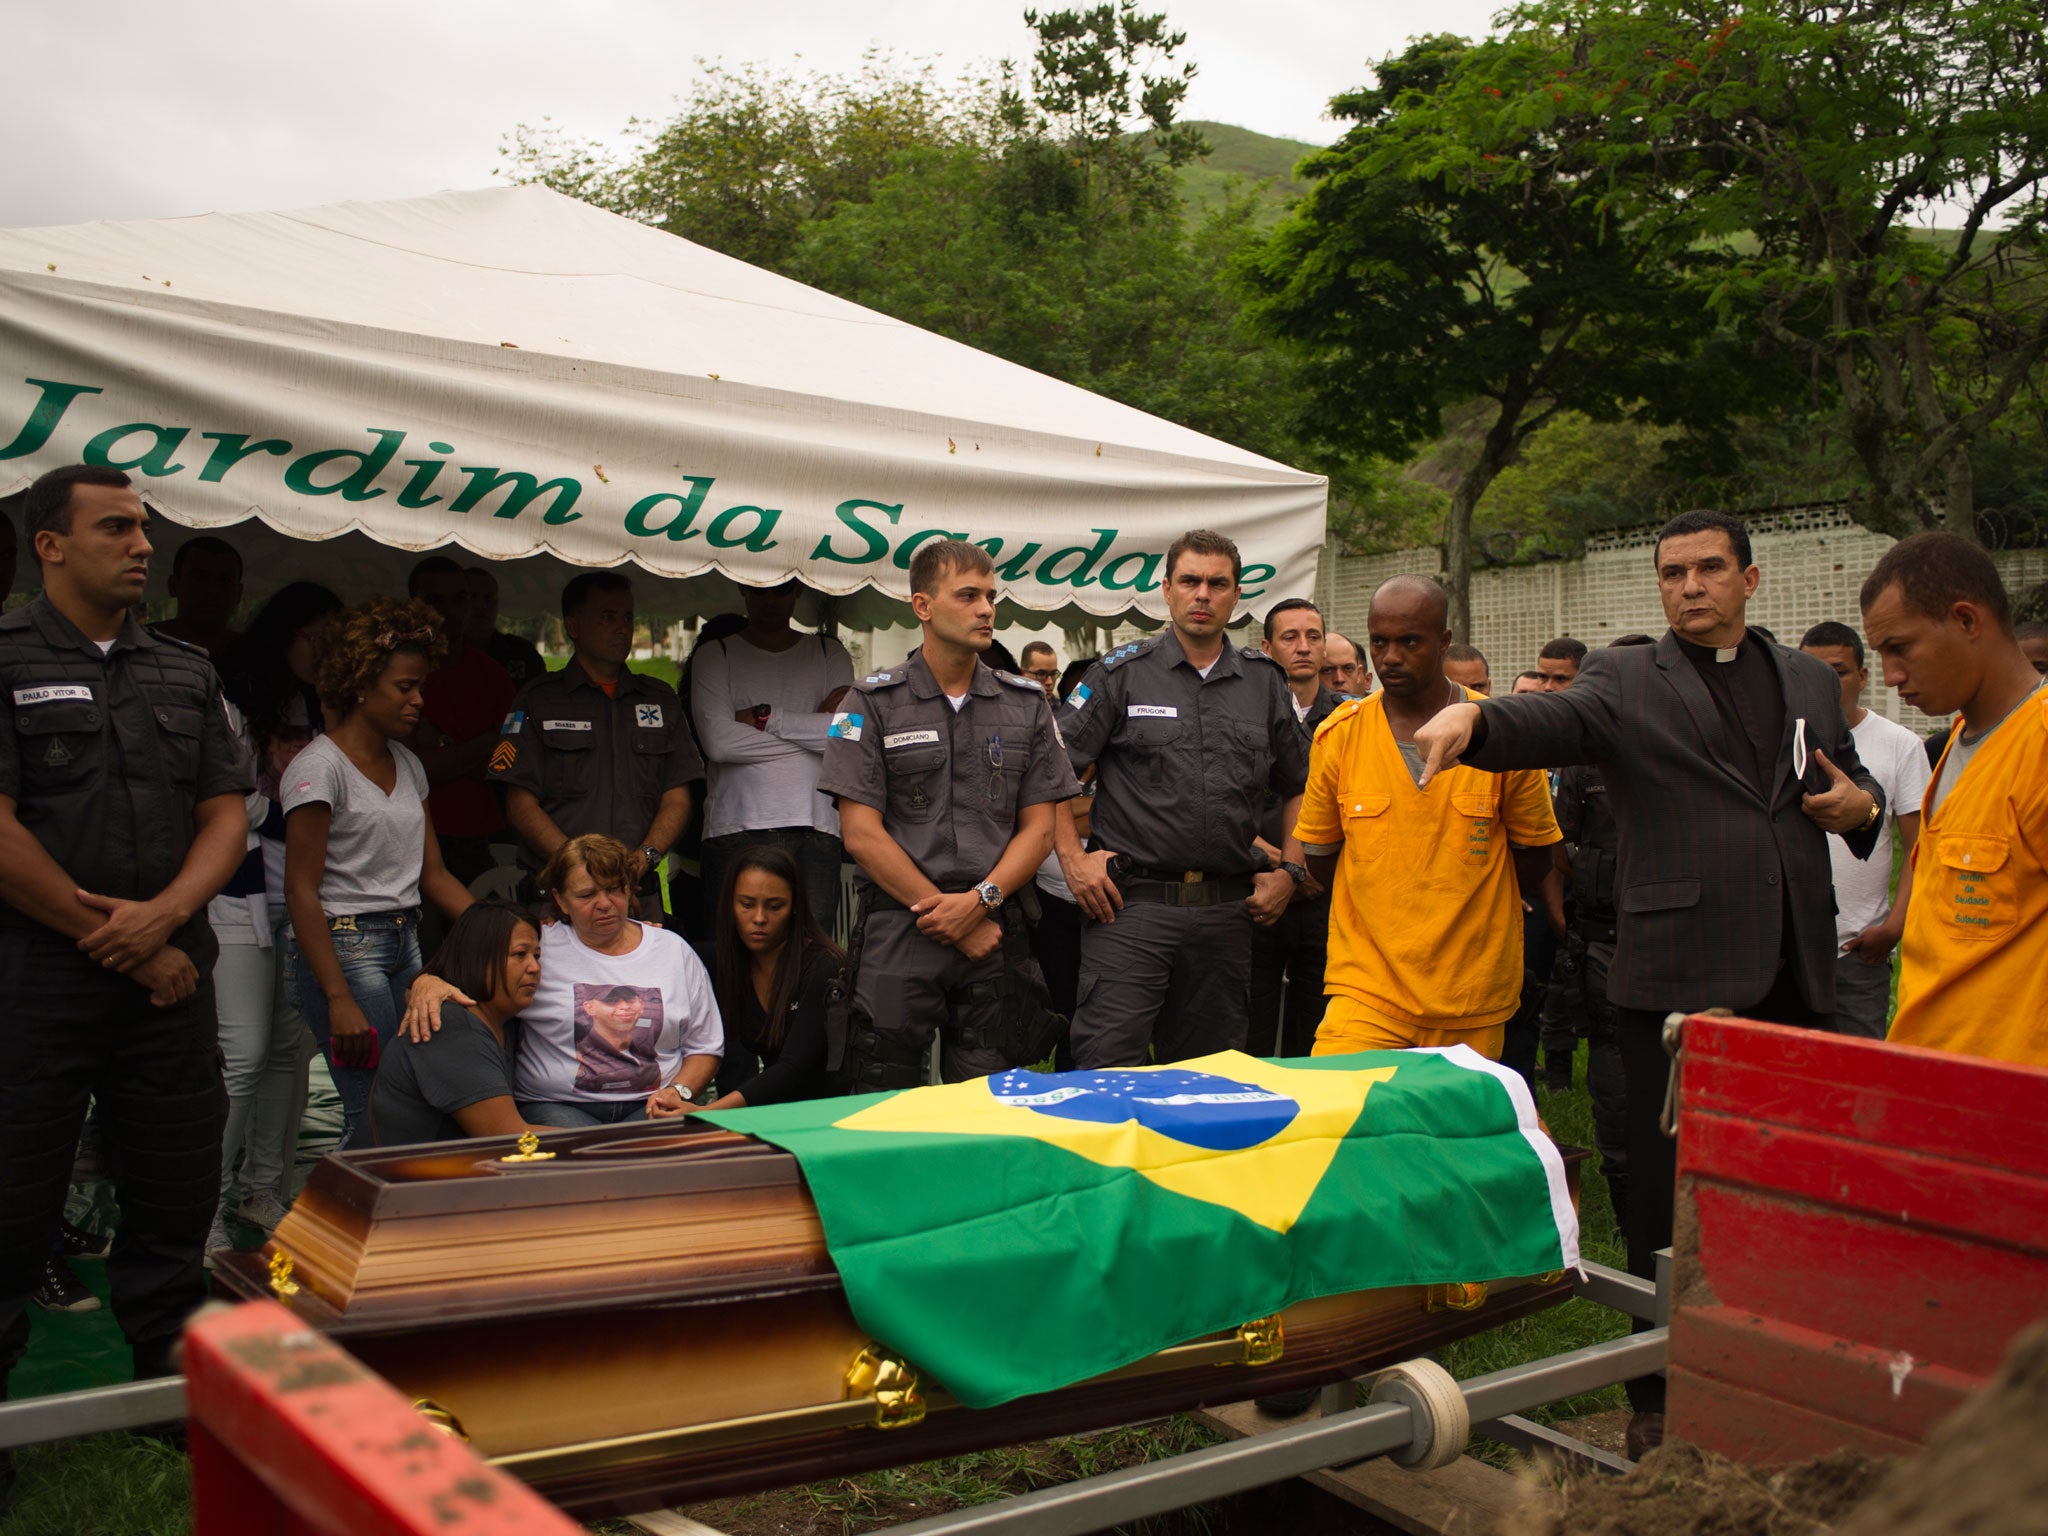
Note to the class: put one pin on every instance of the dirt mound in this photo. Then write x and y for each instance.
(1983, 1473)
(1984, 1470)
(1680, 1490)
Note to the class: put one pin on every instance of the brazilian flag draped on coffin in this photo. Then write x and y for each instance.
(1021, 1232)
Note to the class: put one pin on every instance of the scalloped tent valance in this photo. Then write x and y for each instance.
(533, 380)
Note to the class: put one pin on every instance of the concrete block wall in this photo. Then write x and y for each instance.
(1813, 563)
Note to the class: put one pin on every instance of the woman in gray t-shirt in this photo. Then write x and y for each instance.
(457, 1081)
(359, 851)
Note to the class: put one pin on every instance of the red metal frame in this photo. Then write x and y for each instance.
(1861, 1230)
(293, 1437)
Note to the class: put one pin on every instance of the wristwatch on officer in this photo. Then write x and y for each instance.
(991, 895)
(652, 855)
(1298, 873)
(685, 1092)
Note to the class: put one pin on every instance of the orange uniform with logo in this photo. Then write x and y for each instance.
(1973, 972)
(1426, 915)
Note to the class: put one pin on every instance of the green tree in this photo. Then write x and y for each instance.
(1037, 219)
(1874, 171)
(1448, 252)
(754, 155)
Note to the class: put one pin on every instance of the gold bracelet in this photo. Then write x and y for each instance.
(1876, 815)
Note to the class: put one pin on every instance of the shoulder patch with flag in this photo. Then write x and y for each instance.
(1098, 1217)
(845, 727)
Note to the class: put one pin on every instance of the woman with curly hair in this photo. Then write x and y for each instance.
(359, 850)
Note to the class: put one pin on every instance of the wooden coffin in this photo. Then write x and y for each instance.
(648, 1316)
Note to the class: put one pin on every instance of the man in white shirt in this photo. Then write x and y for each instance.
(763, 699)
(1868, 923)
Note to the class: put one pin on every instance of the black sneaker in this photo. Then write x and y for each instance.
(60, 1290)
(1288, 1405)
(77, 1243)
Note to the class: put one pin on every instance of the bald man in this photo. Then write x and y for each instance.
(1442, 866)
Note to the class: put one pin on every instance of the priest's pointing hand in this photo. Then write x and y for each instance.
(1444, 738)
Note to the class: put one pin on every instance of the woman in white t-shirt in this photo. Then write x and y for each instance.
(624, 1009)
(359, 849)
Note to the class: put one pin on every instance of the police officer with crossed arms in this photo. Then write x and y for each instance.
(946, 774)
(1188, 734)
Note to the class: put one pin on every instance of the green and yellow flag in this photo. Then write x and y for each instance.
(1028, 1230)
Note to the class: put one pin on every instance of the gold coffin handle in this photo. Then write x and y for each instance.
(282, 1285)
(1263, 1339)
(529, 1151)
(1455, 1297)
(890, 1384)
(441, 1418)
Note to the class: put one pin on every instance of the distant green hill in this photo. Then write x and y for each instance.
(1238, 156)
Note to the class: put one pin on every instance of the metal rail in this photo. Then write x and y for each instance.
(1097, 1503)
(1535, 1439)
(1619, 1289)
(65, 1414)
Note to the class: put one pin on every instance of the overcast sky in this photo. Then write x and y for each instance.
(121, 109)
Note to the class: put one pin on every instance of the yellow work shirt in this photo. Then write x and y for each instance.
(1973, 971)
(1426, 917)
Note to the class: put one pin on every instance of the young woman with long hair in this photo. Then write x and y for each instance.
(772, 968)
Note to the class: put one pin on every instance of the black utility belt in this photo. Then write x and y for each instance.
(1216, 892)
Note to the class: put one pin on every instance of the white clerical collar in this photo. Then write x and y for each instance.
(1726, 653)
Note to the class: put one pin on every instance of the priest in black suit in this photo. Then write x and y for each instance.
(1728, 763)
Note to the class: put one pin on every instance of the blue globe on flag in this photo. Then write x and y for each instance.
(1197, 1109)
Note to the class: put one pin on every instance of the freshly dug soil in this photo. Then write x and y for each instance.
(1680, 1490)
(1984, 1472)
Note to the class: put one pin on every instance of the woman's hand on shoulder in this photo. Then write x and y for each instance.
(423, 1002)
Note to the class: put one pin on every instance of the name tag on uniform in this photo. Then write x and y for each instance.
(1152, 712)
(565, 725)
(897, 739)
(51, 693)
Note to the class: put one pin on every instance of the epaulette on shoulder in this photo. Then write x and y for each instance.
(184, 645)
(1343, 711)
(888, 678)
(1123, 653)
(1253, 653)
(1028, 684)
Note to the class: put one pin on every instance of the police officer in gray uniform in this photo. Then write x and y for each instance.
(946, 774)
(121, 815)
(1188, 735)
(597, 747)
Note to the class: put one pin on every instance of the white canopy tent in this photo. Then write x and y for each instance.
(537, 381)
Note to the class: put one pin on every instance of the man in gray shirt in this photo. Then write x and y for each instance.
(1188, 734)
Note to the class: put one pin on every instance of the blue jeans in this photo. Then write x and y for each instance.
(582, 1113)
(379, 960)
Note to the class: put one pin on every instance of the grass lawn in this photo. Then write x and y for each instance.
(122, 1485)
